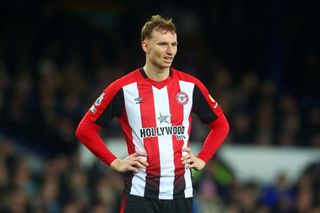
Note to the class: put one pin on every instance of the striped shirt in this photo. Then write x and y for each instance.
(156, 118)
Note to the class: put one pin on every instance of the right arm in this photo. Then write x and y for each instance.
(107, 106)
(87, 133)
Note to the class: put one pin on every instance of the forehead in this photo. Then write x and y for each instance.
(160, 34)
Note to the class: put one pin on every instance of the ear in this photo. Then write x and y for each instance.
(144, 45)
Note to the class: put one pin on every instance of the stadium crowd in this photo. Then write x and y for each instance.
(63, 184)
(52, 65)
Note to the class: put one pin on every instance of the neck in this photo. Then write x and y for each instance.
(156, 74)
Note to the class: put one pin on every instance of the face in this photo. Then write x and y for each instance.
(161, 48)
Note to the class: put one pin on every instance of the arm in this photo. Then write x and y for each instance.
(87, 133)
(209, 112)
(218, 131)
(107, 106)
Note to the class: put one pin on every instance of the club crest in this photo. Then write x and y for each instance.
(182, 98)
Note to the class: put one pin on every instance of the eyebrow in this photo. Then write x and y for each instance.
(165, 42)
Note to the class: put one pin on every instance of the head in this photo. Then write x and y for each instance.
(159, 41)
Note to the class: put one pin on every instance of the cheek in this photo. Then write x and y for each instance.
(156, 53)
(175, 51)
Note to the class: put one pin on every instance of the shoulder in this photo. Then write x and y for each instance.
(183, 76)
(129, 78)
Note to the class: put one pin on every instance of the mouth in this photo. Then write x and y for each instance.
(168, 59)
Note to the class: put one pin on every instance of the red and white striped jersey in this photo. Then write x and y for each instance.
(156, 118)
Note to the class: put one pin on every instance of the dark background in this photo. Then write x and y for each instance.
(259, 59)
(57, 56)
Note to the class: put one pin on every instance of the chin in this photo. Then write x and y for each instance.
(163, 65)
(166, 65)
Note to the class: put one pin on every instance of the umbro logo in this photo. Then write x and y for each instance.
(138, 100)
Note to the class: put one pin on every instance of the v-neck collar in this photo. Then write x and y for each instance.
(157, 84)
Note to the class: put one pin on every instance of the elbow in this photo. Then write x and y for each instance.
(227, 128)
(85, 129)
(222, 125)
(79, 132)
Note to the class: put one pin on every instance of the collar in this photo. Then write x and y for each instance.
(145, 75)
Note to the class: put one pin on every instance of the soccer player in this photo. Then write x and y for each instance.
(153, 105)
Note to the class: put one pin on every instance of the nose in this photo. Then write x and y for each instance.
(170, 50)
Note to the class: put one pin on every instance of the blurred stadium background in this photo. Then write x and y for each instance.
(259, 59)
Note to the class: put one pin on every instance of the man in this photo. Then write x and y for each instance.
(154, 105)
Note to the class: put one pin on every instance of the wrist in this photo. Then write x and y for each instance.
(115, 164)
(201, 163)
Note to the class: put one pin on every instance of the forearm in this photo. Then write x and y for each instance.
(219, 129)
(87, 133)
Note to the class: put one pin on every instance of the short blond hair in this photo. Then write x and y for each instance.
(155, 22)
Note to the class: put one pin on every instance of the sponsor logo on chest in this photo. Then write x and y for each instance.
(176, 130)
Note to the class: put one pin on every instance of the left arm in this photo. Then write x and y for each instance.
(209, 112)
(219, 129)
